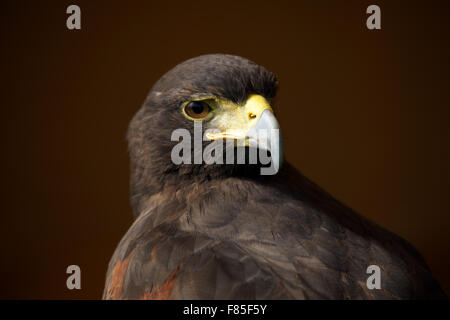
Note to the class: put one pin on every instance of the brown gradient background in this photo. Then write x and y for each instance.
(365, 114)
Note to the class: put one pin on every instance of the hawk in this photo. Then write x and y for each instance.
(226, 231)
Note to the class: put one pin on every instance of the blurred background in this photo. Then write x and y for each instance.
(365, 114)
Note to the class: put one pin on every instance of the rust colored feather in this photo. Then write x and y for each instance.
(117, 278)
(163, 292)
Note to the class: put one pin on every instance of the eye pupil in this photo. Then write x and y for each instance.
(197, 109)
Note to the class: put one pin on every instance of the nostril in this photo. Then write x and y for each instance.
(251, 115)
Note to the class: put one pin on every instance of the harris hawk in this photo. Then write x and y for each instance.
(225, 231)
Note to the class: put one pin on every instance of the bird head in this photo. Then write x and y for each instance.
(226, 97)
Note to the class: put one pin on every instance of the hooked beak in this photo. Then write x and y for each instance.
(266, 135)
(253, 125)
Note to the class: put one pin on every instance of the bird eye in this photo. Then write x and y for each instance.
(197, 109)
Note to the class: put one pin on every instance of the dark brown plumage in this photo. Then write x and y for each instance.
(225, 232)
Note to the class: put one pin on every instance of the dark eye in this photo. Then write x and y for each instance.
(197, 109)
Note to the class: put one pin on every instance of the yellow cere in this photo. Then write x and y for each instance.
(233, 121)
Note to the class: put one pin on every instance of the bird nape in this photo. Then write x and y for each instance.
(223, 230)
